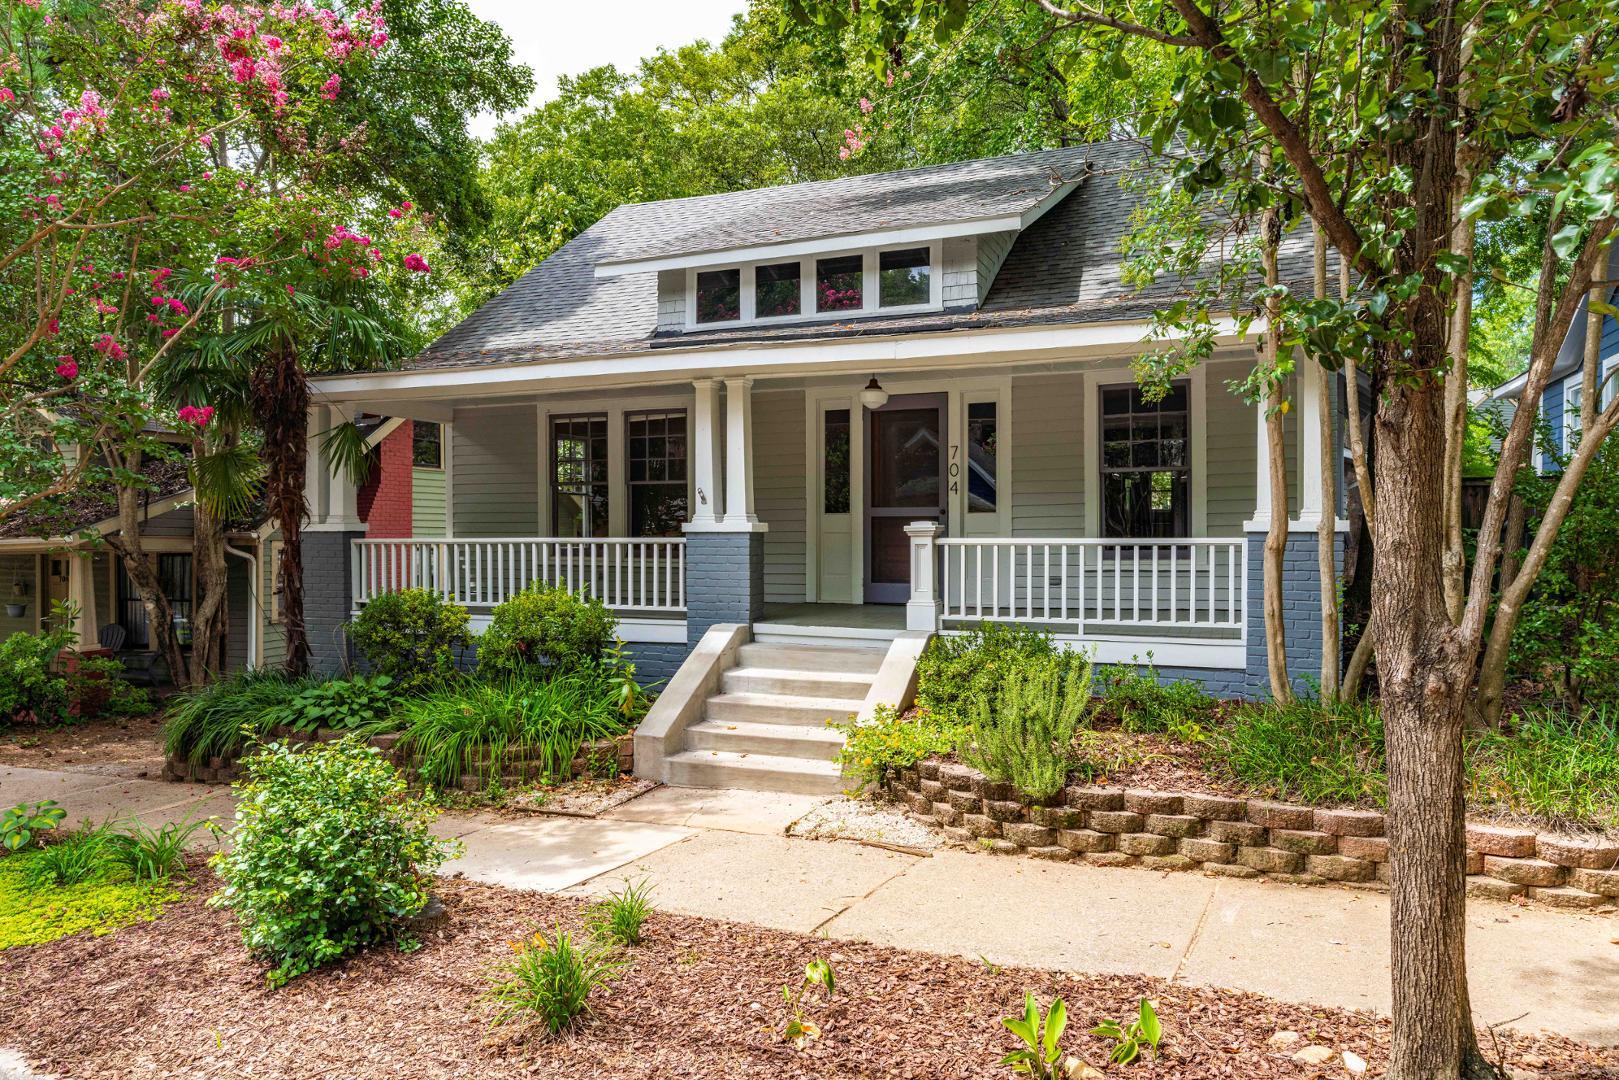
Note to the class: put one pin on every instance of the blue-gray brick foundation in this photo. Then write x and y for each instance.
(328, 595)
(1301, 612)
(725, 580)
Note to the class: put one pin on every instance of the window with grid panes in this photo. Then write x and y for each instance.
(656, 464)
(579, 476)
(1146, 463)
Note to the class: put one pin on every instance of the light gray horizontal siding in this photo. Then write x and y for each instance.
(176, 522)
(427, 502)
(1048, 456)
(495, 458)
(778, 491)
(18, 568)
(1232, 452)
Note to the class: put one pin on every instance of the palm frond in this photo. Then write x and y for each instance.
(228, 479)
(344, 447)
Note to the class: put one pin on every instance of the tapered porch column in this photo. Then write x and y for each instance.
(1312, 484)
(330, 574)
(724, 554)
(739, 512)
(705, 454)
(81, 592)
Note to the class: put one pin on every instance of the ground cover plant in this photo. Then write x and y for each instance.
(682, 1007)
(327, 855)
(367, 701)
(34, 910)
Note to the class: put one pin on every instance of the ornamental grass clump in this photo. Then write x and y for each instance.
(1305, 750)
(619, 919)
(474, 727)
(328, 854)
(549, 981)
(224, 717)
(1558, 766)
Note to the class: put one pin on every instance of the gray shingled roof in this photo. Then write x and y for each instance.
(910, 198)
(1065, 268)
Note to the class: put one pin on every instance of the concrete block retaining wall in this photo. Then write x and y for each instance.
(1237, 837)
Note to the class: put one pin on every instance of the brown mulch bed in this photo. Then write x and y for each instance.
(583, 796)
(131, 746)
(700, 998)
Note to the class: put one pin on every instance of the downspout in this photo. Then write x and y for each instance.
(251, 660)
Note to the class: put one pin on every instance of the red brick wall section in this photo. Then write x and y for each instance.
(385, 499)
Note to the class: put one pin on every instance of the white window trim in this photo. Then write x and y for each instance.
(806, 288)
(1092, 383)
(1571, 411)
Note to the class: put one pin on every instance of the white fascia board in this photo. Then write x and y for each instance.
(798, 248)
(384, 429)
(711, 361)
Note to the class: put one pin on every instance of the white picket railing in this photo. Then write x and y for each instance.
(1098, 586)
(643, 575)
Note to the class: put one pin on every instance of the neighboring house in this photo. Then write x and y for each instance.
(835, 412)
(1560, 404)
(62, 556)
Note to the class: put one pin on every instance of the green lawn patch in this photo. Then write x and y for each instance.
(32, 915)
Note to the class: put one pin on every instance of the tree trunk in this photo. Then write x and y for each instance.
(210, 622)
(1423, 674)
(281, 399)
(1281, 685)
(1326, 533)
(143, 574)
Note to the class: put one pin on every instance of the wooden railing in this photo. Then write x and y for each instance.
(642, 575)
(1098, 586)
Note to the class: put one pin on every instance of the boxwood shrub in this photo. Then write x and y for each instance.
(545, 630)
(411, 636)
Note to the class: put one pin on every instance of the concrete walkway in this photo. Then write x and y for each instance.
(724, 854)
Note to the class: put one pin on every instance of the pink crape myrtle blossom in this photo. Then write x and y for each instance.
(67, 367)
(197, 416)
(415, 262)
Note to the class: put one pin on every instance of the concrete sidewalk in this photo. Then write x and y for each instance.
(724, 854)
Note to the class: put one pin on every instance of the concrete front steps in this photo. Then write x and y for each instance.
(766, 729)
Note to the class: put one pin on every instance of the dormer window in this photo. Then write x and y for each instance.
(903, 277)
(719, 296)
(777, 289)
(837, 285)
(840, 283)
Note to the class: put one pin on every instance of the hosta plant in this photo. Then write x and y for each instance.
(26, 822)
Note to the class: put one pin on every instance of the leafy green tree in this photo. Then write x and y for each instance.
(1397, 128)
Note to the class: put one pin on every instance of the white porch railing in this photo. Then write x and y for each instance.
(1098, 586)
(644, 575)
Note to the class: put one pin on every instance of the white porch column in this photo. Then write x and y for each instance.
(739, 512)
(1261, 519)
(332, 496)
(1312, 485)
(81, 592)
(706, 453)
(922, 610)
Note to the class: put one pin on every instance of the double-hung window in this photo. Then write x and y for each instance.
(657, 471)
(579, 476)
(1145, 463)
(426, 445)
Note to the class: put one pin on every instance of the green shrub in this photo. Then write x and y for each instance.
(545, 629)
(30, 686)
(957, 671)
(1568, 633)
(96, 687)
(550, 982)
(1139, 702)
(222, 718)
(618, 920)
(368, 701)
(412, 636)
(1557, 766)
(1305, 750)
(1024, 732)
(328, 854)
(470, 727)
(892, 741)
